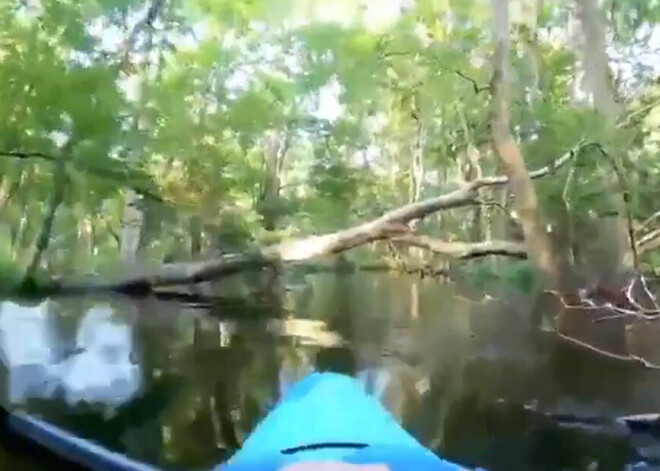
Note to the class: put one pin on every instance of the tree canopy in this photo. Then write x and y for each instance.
(188, 129)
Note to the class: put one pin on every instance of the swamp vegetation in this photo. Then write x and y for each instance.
(459, 195)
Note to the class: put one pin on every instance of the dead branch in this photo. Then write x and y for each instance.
(648, 292)
(543, 171)
(485, 299)
(648, 221)
(463, 250)
(641, 280)
(615, 356)
(475, 86)
(623, 305)
(649, 242)
(586, 302)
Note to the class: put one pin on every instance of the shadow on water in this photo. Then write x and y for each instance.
(180, 382)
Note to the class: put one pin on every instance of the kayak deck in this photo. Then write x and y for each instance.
(30, 434)
(323, 417)
(330, 417)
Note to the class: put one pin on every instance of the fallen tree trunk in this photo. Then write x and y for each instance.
(391, 225)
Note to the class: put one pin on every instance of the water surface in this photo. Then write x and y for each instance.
(180, 385)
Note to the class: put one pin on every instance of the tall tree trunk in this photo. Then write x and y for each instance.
(529, 18)
(133, 217)
(526, 202)
(593, 88)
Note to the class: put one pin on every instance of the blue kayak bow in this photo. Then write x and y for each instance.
(323, 417)
(329, 417)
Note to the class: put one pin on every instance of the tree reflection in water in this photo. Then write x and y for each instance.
(483, 388)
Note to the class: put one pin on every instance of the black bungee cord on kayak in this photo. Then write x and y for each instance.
(325, 417)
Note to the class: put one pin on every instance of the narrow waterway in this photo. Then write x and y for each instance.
(180, 385)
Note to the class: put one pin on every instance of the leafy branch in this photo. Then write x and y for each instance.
(122, 176)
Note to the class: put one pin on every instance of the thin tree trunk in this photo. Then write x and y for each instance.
(131, 227)
(9, 187)
(471, 167)
(43, 240)
(277, 146)
(414, 300)
(195, 235)
(83, 250)
(17, 237)
(416, 180)
(133, 217)
(93, 237)
(473, 172)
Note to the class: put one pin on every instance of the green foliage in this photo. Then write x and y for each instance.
(10, 271)
(184, 119)
(521, 275)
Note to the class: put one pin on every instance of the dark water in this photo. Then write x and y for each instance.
(180, 385)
